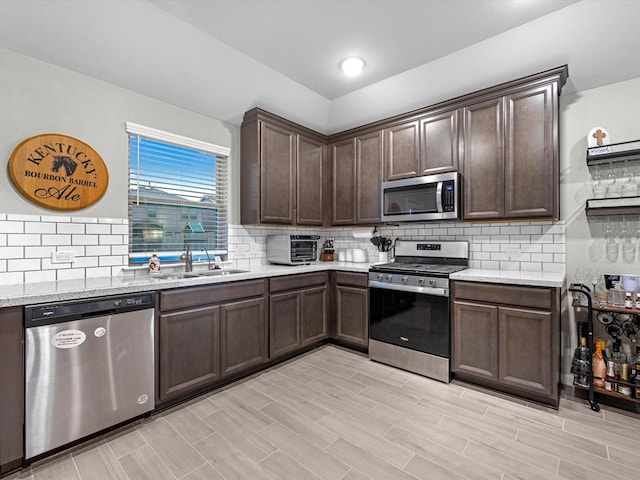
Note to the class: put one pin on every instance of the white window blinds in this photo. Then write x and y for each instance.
(177, 196)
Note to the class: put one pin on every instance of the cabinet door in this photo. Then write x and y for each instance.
(402, 155)
(243, 335)
(369, 178)
(189, 351)
(314, 314)
(12, 390)
(284, 323)
(531, 168)
(439, 141)
(352, 315)
(309, 188)
(483, 164)
(475, 340)
(277, 174)
(343, 155)
(526, 350)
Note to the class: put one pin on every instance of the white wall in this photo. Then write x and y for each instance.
(36, 98)
(616, 108)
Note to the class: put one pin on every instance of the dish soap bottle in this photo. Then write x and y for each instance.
(154, 263)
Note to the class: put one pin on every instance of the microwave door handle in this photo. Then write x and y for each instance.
(439, 197)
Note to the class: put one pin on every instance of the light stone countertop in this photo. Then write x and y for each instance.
(62, 290)
(45, 292)
(512, 277)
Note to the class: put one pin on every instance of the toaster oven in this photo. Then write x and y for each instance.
(292, 249)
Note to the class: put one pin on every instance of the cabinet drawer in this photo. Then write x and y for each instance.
(534, 297)
(291, 282)
(353, 279)
(209, 294)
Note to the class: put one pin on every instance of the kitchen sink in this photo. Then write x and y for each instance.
(204, 273)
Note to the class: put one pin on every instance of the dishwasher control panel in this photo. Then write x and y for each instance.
(76, 309)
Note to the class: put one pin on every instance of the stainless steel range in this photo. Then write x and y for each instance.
(409, 324)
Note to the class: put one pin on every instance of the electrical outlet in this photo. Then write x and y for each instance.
(62, 257)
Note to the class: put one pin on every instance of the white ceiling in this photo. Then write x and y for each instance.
(223, 57)
(305, 39)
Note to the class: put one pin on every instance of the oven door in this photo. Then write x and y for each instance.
(417, 321)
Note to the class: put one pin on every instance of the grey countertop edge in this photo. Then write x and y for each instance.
(512, 277)
(45, 292)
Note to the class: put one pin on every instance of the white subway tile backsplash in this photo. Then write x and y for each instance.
(70, 274)
(39, 227)
(98, 272)
(23, 239)
(100, 245)
(23, 218)
(11, 278)
(11, 252)
(85, 239)
(55, 219)
(95, 250)
(98, 229)
(110, 240)
(71, 228)
(41, 276)
(56, 240)
(120, 229)
(84, 220)
(23, 264)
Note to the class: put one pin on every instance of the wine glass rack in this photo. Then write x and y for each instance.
(618, 152)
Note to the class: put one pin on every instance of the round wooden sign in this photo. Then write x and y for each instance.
(58, 172)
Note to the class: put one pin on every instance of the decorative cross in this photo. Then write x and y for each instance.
(599, 135)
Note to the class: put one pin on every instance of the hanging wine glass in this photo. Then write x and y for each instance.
(614, 188)
(594, 277)
(580, 279)
(610, 245)
(628, 247)
(599, 186)
(629, 187)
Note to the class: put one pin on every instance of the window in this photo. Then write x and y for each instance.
(177, 196)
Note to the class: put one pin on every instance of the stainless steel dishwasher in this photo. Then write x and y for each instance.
(89, 365)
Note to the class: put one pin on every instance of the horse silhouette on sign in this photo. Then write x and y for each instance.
(67, 162)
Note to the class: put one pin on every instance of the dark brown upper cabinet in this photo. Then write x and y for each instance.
(283, 172)
(503, 139)
(402, 153)
(439, 140)
(357, 176)
(422, 146)
(510, 162)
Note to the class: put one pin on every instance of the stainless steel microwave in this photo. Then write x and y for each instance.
(292, 249)
(420, 199)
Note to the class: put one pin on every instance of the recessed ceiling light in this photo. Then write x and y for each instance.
(351, 66)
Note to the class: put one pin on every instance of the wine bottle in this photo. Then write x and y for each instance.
(610, 382)
(599, 367)
(624, 377)
(580, 364)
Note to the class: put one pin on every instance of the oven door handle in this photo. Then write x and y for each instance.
(438, 292)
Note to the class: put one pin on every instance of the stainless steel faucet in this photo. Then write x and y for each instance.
(188, 259)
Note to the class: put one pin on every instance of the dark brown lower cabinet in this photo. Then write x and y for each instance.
(189, 350)
(243, 335)
(209, 333)
(507, 337)
(12, 390)
(352, 308)
(297, 312)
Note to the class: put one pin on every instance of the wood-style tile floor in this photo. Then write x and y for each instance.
(334, 415)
